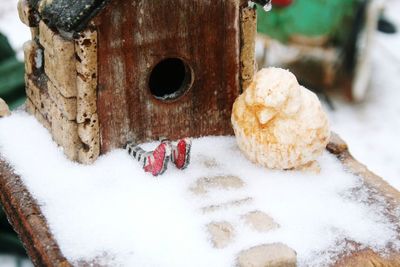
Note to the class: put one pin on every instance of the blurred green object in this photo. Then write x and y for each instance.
(9, 242)
(13, 92)
(12, 85)
(310, 18)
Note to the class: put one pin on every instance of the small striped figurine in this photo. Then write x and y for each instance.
(156, 162)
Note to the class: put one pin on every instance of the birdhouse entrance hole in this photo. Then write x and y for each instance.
(170, 79)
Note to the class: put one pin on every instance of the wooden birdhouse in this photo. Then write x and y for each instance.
(101, 73)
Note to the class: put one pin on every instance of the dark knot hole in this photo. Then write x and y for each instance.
(170, 79)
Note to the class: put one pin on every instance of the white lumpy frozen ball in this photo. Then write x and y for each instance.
(278, 123)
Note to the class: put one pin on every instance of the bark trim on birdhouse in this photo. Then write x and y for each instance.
(86, 80)
(248, 27)
(61, 85)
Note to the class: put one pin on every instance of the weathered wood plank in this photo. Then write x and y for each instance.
(27, 220)
(204, 34)
(248, 29)
(367, 257)
(338, 147)
(25, 215)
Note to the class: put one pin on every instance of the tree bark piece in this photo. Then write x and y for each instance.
(86, 66)
(65, 133)
(59, 62)
(368, 258)
(25, 216)
(66, 105)
(30, 55)
(248, 27)
(89, 135)
(27, 13)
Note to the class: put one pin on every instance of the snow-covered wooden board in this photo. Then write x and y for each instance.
(27, 220)
(366, 257)
(25, 215)
(210, 214)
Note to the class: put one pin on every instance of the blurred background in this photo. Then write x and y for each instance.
(347, 51)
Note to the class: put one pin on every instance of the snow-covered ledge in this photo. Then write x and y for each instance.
(111, 213)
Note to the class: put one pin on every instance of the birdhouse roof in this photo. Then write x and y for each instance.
(68, 15)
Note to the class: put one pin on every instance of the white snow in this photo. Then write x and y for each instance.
(39, 58)
(114, 211)
(372, 128)
(11, 26)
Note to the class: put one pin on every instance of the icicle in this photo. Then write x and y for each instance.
(268, 6)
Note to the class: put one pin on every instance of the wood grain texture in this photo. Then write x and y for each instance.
(25, 216)
(134, 36)
(248, 32)
(377, 188)
(339, 148)
(27, 220)
(368, 258)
